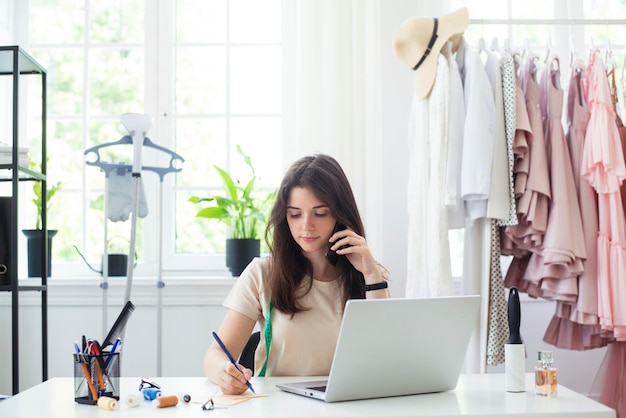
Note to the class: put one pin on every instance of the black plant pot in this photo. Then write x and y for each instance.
(34, 242)
(240, 252)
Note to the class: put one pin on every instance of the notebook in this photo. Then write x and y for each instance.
(393, 347)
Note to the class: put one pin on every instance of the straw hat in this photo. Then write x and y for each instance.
(412, 39)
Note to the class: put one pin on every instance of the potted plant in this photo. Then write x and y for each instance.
(243, 210)
(35, 236)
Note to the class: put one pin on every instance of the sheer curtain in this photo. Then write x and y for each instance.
(332, 93)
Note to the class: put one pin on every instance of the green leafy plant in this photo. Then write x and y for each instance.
(37, 188)
(242, 208)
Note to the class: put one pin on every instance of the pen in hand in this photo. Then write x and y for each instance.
(230, 358)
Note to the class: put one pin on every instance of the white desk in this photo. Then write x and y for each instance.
(475, 395)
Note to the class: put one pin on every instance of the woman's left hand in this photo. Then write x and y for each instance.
(356, 250)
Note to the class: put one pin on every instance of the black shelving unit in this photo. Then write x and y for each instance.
(17, 63)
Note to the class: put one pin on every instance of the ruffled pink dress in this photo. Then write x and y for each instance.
(575, 326)
(555, 269)
(526, 237)
(603, 167)
(532, 206)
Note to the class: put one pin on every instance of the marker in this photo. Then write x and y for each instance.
(232, 360)
(116, 346)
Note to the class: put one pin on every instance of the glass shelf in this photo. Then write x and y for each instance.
(26, 63)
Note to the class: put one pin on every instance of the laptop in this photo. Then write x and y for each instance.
(393, 347)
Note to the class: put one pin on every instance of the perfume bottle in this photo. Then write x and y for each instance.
(545, 375)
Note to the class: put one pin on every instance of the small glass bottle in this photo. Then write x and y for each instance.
(545, 375)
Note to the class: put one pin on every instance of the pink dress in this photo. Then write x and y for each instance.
(575, 326)
(555, 269)
(603, 167)
(532, 207)
(620, 127)
(520, 141)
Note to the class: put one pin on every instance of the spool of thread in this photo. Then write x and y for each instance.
(185, 397)
(151, 394)
(166, 401)
(110, 404)
(134, 399)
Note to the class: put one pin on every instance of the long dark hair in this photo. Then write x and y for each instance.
(323, 176)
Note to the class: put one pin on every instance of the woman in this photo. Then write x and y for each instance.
(297, 295)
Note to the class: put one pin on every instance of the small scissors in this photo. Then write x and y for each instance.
(147, 383)
(210, 405)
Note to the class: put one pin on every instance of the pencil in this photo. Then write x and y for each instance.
(100, 377)
(230, 358)
(92, 388)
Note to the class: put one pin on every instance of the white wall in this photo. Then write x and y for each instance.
(191, 310)
(6, 26)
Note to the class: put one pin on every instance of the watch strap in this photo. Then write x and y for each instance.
(377, 286)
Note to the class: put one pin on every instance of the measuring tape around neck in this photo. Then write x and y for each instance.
(267, 332)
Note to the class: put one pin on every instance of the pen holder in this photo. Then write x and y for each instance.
(96, 376)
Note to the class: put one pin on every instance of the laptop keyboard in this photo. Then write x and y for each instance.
(319, 388)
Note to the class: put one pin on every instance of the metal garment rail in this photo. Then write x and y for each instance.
(599, 22)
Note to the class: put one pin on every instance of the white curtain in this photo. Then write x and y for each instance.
(332, 99)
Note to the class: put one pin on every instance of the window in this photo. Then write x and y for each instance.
(209, 74)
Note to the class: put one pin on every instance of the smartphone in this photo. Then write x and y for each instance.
(331, 255)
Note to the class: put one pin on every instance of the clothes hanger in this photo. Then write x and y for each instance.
(577, 63)
(121, 168)
(507, 45)
(622, 102)
(455, 41)
(482, 50)
(495, 45)
(526, 49)
(592, 48)
(572, 51)
(609, 59)
(623, 67)
(555, 72)
(531, 64)
(481, 44)
(553, 61)
(514, 51)
(548, 49)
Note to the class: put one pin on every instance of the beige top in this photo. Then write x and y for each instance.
(303, 345)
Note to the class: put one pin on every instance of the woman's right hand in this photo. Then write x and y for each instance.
(232, 381)
(234, 332)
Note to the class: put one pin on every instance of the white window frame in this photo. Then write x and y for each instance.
(159, 49)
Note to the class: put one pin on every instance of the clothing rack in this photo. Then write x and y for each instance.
(599, 22)
(121, 168)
